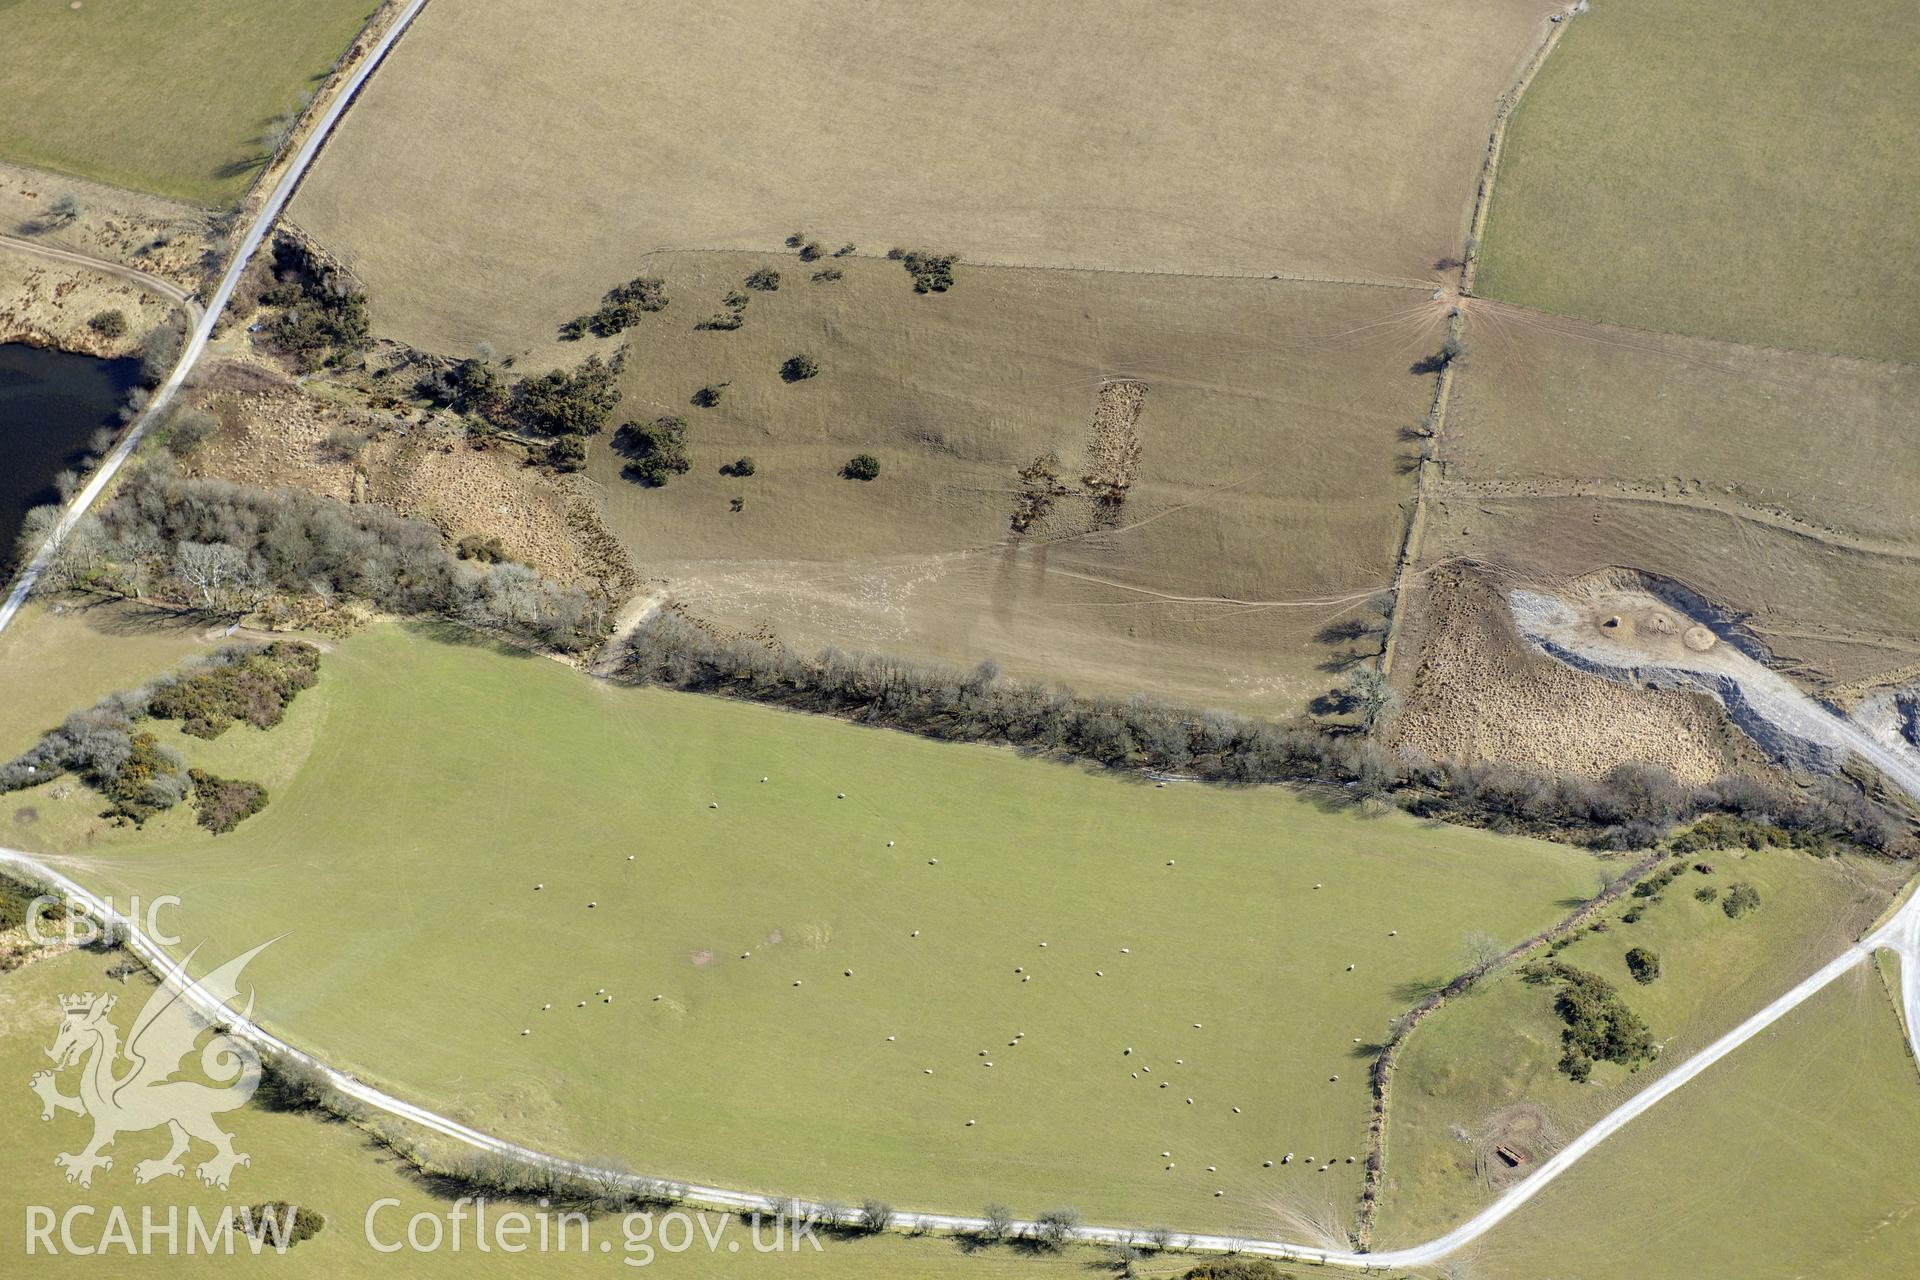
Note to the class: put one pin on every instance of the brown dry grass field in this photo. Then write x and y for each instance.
(1742, 169)
(1270, 499)
(530, 150)
(1828, 613)
(1546, 403)
(1770, 482)
(1479, 692)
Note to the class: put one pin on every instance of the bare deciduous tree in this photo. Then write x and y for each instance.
(211, 568)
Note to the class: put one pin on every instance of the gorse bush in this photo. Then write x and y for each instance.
(1741, 898)
(108, 324)
(1236, 1269)
(320, 310)
(1643, 964)
(279, 1225)
(559, 403)
(224, 803)
(657, 450)
(1600, 1027)
(622, 307)
(255, 685)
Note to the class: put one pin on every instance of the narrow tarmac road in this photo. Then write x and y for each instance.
(202, 330)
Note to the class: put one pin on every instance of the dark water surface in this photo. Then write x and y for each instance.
(51, 402)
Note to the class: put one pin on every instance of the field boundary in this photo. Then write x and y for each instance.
(1412, 544)
(1380, 1075)
(344, 65)
(963, 260)
(194, 997)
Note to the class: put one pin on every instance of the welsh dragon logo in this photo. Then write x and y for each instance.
(145, 1095)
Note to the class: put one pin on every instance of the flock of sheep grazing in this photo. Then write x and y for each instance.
(1020, 970)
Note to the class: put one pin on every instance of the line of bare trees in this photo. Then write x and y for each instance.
(1631, 807)
(227, 548)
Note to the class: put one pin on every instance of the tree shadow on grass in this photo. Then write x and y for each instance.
(1418, 989)
(441, 631)
(240, 168)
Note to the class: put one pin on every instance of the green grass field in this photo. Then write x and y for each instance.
(166, 96)
(59, 662)
(1792, 1158)
(1484, 1066)
(1269, 500)
(341, 1172)
(424, 788)
(1670, 169)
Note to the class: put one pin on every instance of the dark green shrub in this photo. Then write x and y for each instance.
(798, 368)
(279, 1225)
(1643, 964)
(321, 311)
(657, 450)
(108, 324)
(225, 803)
(725, 321)
(931, 272)
(1236, 1269)
(740, 467)
(558, 403)
(470, 386)
(1599, 1025)
(862, 466)
(1741, 898)
(765, 279)
(708, 397)
(622, 307)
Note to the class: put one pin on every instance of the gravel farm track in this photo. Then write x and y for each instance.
(1792, 713)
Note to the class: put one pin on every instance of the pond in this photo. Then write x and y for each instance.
(51, 403)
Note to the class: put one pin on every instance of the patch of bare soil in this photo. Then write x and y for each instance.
(47, 305)
(162, 237)
(1112, 465)
(1479, 693)
(1113, 452)
(272, 434)
(1511, 1142)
